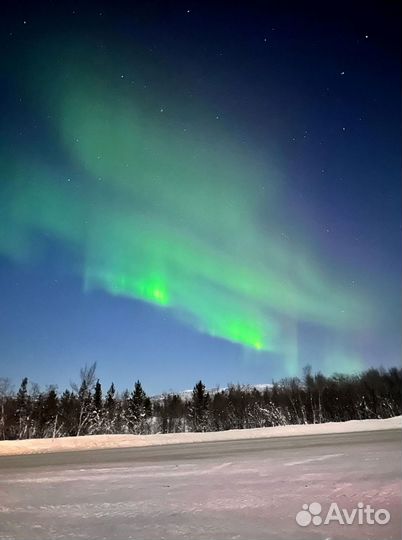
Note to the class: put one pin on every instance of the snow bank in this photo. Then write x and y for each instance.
(91, 442)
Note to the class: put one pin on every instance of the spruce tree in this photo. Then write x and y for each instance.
(199, 407)
(98, 403)
(140, 409)
(23, 406)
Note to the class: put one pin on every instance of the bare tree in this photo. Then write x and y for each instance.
(5, 392)
(84, 392)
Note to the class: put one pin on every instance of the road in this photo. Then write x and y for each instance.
(249, 489)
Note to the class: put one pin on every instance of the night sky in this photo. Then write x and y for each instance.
(199, 190)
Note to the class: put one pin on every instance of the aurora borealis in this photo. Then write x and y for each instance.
(139, 183)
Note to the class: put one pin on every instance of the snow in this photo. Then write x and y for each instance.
(92, 442)
(233, 493)
(187, 394)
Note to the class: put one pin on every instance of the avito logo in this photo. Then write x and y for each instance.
(363, 514)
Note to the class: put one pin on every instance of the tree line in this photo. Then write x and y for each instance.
(86, 409)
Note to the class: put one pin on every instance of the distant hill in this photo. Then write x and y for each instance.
(186, 394)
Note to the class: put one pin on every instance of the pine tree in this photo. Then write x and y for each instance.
(139, 409)
(96, 422)
(199, 408)
(50, 412)
(110, 402)
(98, 403)
(69, 409)
(111, 413)
(23, 410)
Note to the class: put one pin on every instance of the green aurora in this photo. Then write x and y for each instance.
(168, 216)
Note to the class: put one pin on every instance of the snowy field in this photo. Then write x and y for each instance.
(238, 490)
(91, 442)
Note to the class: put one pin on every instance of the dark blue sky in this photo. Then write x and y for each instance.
(312, 89)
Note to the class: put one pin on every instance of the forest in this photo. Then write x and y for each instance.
(87, 409)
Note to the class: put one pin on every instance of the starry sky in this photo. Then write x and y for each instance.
(199, 190)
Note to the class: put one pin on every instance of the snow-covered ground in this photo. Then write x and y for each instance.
(91, 442)
(234, 489)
